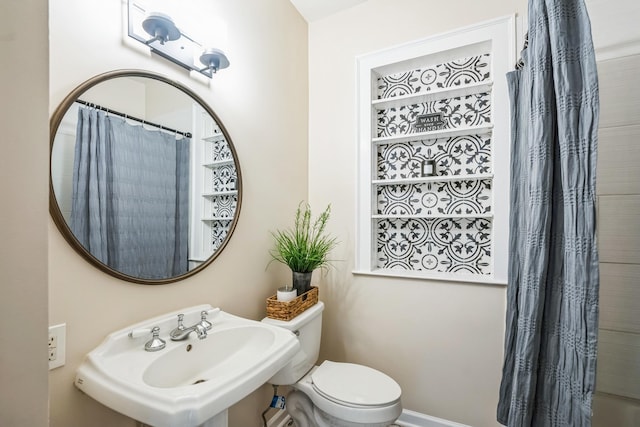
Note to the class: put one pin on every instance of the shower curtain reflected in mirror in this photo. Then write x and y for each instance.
(130, 203)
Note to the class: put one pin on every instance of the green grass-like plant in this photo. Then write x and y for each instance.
(305, 247)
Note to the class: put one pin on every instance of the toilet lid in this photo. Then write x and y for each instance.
(355, 384)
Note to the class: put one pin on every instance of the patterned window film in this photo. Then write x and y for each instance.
(441, 226)
(433, 193)
(454, 73)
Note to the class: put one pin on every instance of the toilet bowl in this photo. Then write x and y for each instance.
(346, 394)
(333, 394)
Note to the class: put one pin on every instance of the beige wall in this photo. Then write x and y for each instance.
(23, 217)
(262, 101)
(441, 341)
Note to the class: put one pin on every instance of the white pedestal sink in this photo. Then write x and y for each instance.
(188, 383)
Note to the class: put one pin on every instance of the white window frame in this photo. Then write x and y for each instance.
(499, 34)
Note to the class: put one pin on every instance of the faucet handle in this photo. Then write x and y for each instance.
(140, 332)
(180, 322)
(156, 343)
(203, 320)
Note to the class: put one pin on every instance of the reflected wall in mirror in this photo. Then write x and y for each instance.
(145, 181)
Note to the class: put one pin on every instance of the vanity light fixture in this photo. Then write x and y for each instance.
(161, 27)
(214, 59)
(171, 43)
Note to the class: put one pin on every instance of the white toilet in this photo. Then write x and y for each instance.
(333, 394)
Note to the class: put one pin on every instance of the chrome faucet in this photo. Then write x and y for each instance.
(203, 319)
(181, 332)
(155, 343)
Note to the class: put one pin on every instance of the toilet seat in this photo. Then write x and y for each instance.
(354, 385)
(352, 406)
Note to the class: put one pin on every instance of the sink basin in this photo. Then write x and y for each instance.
(204, 361)
(190, 382)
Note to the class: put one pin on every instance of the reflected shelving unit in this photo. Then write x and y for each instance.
(215, 196)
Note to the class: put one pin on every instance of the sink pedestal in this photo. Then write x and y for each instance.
(220, 420)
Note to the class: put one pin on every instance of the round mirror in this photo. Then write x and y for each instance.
(145, 182)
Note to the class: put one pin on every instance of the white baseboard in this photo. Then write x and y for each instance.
(407, 419)
(416, 419)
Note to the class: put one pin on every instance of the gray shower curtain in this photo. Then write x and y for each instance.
(552, 297)
(131, 196)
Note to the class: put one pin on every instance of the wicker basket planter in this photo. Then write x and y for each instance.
(288, 310)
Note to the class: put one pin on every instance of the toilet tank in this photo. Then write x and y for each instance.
(308, 327)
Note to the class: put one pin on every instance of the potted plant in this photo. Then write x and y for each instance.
(304, 247)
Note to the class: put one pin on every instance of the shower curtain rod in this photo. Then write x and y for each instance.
(126, 116)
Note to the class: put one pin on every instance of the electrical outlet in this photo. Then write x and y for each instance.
(57, 342)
